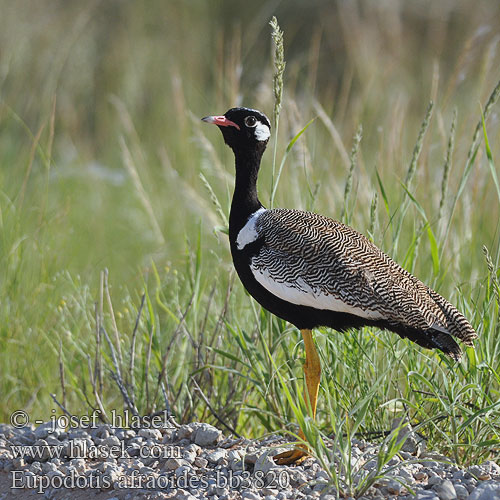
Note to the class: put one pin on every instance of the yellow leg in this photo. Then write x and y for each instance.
(312, 374)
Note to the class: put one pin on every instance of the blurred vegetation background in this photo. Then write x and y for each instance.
(101, 151)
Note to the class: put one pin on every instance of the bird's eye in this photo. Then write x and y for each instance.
(250, 121)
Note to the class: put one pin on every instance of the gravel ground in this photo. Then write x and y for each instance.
(195, 461)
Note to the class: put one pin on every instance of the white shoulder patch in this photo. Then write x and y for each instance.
(248, 232)
(262, 132)
(301, 293)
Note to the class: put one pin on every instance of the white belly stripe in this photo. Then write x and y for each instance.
(301, 293)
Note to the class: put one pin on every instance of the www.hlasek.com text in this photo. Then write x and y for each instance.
(81, 449)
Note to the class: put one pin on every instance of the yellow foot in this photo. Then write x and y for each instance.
(295, 456)
(312, 373)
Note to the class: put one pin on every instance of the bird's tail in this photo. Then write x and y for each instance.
(430, 339)
(449, 323)
(456, 323)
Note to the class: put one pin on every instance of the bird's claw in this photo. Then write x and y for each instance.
(295, 456)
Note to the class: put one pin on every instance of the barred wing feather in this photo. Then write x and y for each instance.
(311, 260)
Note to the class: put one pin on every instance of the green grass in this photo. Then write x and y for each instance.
(105, 164)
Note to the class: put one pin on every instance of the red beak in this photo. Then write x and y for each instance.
(222, 121)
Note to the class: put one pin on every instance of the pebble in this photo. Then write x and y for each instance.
(470, 484)
(434, 480)
(189, 456)
(233, 455)
(43, 430)
(184, 495)
(224, 463)
(492, 467)
(175, 463)
(217, 456)
(183, 470)
(250, 495)
(404, 475)
(200, 462)
(153, 434)
(264, 463)
(446, 490)
(111, 441)
(207, 435)
(461, 491)
(124, 434)
(184, 432)
(134, 449)
(269, 492)
(322, 475)
(489, 490)
(426, 495)
(251, 458)
(475, 470)
(420, 476)
(394, 488)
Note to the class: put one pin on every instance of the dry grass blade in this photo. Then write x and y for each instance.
(129, 163)
(119, 382)
(61, 406)
(97, 379)
(116, 375)
(493, 274)
(418, 145)
(337, 140)
(102, 412)
(471, 155)
(146, 370)
(345, 216)
(113, 320)
(214, 413)
(215, 201)
(61, 373)
(34, 147)
(447, 163)
(168, 409)
(373, 216)
(279, 67)
(131, 367)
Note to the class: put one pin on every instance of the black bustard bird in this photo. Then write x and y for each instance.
(314, 271)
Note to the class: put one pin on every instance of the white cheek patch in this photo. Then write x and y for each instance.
(248, 233)
(262, 132)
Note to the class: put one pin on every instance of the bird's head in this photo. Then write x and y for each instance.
(243, 129)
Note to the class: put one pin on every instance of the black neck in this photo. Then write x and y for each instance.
(245, 199)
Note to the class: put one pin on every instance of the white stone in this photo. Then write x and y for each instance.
(51, 427)
(446, 490)
(250, 495)
(207, 435)
(461, 491)
(217, 456)
(489, 490)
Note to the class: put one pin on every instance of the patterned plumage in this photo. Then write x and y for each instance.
(312, 260)
(313, 271)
